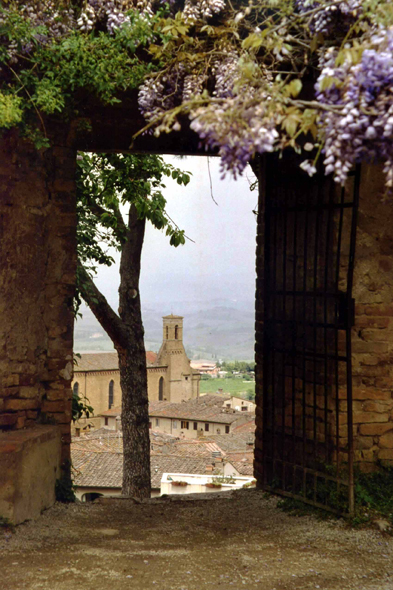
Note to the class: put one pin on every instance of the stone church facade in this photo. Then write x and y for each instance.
(169, 374)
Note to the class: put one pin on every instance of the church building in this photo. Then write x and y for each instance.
(170, 377)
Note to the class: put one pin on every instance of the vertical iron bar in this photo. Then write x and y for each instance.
(305, 261)
(266, 333)
(284, 346)
(348, 338)
(337, 364)
(325, 315)
(294, 336)
(274, 336)
(315, 329)
(318, 212)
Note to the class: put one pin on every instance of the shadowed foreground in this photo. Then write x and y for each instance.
(236, 541)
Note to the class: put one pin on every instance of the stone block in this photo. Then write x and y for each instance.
(375, 429)
(10, 380)
(385, 455)
(21, 404)
(371, 322)
(377, 406)
(29, 467)
(53, 406)
(368, 417)
(370, 348)
(371, 393)
(28, 392)
(8, 420)
(364, 442)
(386, 440)
(379, 310)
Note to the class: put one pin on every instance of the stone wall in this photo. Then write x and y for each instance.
(372, 335)
(38, 262)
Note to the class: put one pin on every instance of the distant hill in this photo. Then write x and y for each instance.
(221, 328)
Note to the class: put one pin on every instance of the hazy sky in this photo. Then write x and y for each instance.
(221, 262)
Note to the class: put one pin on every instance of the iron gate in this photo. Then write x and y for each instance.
(309, 246)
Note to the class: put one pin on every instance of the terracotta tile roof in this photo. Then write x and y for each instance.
(105, 470)
(246, 427)
(104, 440)
(105, 361)
(243, 467)
(207, 408)
(243, 456)
(234, 441)
(190, 448)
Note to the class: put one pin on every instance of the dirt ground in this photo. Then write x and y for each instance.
(240, 541)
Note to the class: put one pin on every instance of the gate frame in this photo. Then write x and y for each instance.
(346, 321)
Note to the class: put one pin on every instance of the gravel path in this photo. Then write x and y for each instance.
(240, 541)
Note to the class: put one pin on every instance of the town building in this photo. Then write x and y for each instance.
(170, 376)
(208, 414)
(98, 464)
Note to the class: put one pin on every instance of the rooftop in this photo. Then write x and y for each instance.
(105, 469)
(234, 441)
(206, 408)
(172, 317)
(105, 361)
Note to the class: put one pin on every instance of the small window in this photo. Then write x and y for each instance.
(149, 424)
(77, 431)
(174, 424)
(167, 332)
(106, 421)
(226, 429)
(218, 431)
(176, 332)
(186, 378)
(157, 422)
(75, 389)
(228, 405)
(244, 408)
(111, 393)
(161, 389)
(195, 425)
(185, 424)
(206, 427)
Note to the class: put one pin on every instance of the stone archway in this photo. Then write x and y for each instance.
(38, 261)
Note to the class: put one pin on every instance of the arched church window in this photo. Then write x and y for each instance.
(161, 389)
(111, 393)
(167, 332)
(176, 332)
(75, 389)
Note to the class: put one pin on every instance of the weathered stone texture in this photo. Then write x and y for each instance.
(38, 261)
(372, 335)
(30, 465)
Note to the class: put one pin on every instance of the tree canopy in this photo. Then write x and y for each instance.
(313, 75)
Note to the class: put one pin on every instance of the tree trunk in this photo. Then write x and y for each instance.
(126, 333)
(132, 364)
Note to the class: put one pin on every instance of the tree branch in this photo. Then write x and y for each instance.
(98, 304)
(98, 210)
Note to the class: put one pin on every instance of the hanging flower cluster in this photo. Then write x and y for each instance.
(242, 72)
(337, 16)
(362, 127)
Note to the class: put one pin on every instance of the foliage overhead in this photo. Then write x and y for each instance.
(252, 77)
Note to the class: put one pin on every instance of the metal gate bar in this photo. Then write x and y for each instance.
(310, 235)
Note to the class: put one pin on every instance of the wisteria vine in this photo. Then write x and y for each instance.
(240, 72)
